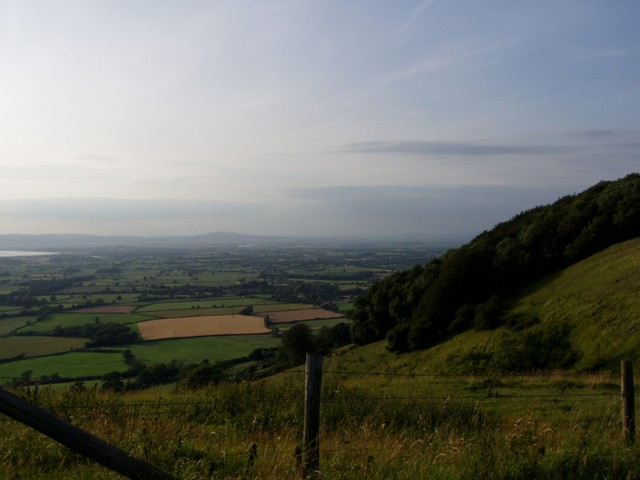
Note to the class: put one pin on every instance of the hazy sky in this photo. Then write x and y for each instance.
(304, 117)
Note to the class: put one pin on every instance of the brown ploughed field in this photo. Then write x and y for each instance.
(202, 326)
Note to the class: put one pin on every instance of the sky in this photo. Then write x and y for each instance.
(358, 118)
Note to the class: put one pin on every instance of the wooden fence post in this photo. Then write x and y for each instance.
(77, 439)
(628, 402)
(311, 443)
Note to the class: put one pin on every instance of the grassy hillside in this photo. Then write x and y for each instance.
(600, 298)
(597, 300)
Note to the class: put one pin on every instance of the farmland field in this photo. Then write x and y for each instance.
(280, 307)
(314, 324)
(196, 349)
(202, 326)
(107, 309)
(190, 312)
(7, 325)
(77, 319)
(8, 309)
(303, 314)
(211, 303)
(73, 364)
(31, 346)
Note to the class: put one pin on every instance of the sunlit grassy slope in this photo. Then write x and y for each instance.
(599, 297)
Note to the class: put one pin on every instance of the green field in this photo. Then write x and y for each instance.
(107, 298)
(9, 309)
(78, 319)
(336, 272)
(345, 306)
(34, 346)
(222, 306)
(201, 348)
(196, 310)
(73, 364)
(193, 312)
(280, 307)
(314, 324)
(188, 350)
(216, 348)
(211, 303)
(8, 325)
(224, 278)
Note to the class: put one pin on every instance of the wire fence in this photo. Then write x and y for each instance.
(477, 387)
(352, 401)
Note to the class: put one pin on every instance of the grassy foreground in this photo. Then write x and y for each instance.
(433, 428)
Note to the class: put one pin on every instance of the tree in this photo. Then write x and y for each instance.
(24, 379)
(113, 381)
(296, 343)
(202, 374)
(332, 337)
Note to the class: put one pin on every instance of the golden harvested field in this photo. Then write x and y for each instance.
(202, 326)
(285, 316)
(107, 309)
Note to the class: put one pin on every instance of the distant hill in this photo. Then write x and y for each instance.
(465, 288)
(584, 318)
(74, 242)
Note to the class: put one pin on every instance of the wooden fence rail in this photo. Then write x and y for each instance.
(77, 439)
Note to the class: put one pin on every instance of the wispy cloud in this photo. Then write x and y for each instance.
(122, 209)
(595, 133)
(419, 10)
(603, 53)
(430, 148)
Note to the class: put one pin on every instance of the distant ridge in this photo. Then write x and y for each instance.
(74, 242)
(81, 241)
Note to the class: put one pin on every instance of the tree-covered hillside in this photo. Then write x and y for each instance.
(462, 289)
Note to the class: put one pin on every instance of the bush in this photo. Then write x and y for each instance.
(542, 348)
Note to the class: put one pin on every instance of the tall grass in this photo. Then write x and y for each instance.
(209, 433)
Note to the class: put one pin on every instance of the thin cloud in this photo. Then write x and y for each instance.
(604, 53)
(122, 209)
(417, 12)
(595, 133)
(428, 148)
(613, 143)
